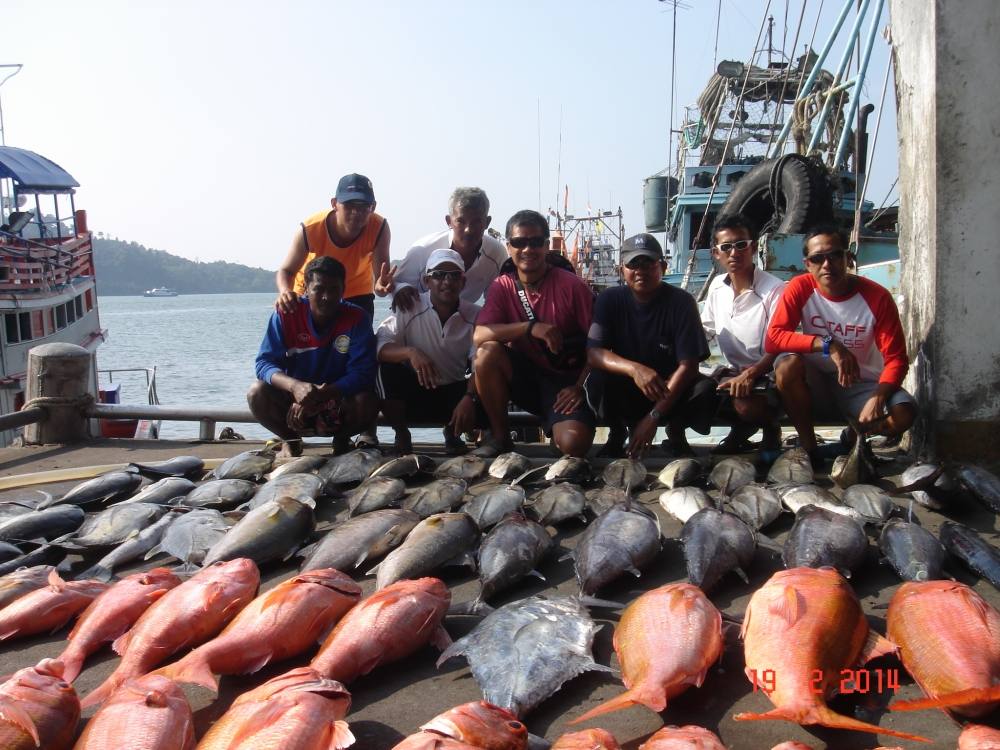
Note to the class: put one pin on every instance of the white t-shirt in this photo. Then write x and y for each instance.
(448, 345)
(478, 278)
(739, 323)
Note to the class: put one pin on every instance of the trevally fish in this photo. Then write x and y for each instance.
(619, 540)
(467, 467)
(912, 551)
(600, 499)
(509, 552)
(220, 493)
(716, 542)
(684, 502)
(509, 465)
(405, 466)
(439, 496)
(435, 541)
(303, 487)
(488, 508)
(797, 496)
(272, 531)
(730, 474)
(190, 467)
(189, 537)
(873, 503)
(557, 503)
(299, 465)
(858, 466)
(821, 538)
(250, 465)
(162, 491)
(114, 525)
(364, 537)
(131, 549)
(792, 467)
(375, 493)
(111, 486)
(625, 473)
(921, 481)
(48, 523)
(682, 472)
(756, 505)
(981, 557)
(353, 466)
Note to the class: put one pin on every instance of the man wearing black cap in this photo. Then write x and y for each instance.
(351, 233)
(644, 347)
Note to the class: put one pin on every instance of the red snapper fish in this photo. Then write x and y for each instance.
(801, 629)
(47, 609)
(482, 725)
(39, 709)
(978, 737)
(683, 738)
(587, 739)
(148, 713)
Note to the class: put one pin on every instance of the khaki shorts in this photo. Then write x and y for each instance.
(831, 401)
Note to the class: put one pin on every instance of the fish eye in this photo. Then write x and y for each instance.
(516, 725)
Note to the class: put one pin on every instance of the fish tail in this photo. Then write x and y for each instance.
(191, 671)
(340, 736)
(969, 697)
(72, 659)
(824, 716)
(626, 699)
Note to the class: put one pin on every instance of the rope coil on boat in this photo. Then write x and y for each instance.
(84, 399)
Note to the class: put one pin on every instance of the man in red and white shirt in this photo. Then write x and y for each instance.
(851, 353)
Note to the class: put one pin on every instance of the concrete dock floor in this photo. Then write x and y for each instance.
(394, 700)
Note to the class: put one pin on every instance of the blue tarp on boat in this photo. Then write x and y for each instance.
(33, 172)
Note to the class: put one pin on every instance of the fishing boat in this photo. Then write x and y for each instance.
(159, 291)
(592, 243)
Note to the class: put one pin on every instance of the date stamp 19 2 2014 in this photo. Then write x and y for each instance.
(850, 680)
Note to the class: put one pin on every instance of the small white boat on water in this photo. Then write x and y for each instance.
(159, 291)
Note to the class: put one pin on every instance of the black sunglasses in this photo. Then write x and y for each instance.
(728, 247)
(643, 261)
(522, 242)
(818, 259)
(445, 275)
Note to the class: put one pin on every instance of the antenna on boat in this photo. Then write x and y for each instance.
(17, 69)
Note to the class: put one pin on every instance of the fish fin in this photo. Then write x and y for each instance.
(457, 648)
(153, 552)
(56, 581)
(626, 699)
(568, 556)
(193, 671)
(593, 601)
(957, 699)
(361, 558)
(120, 644)
(440, 638)
(12, 713)
(768, 543)
(634, 571)
(340, 736)
(827, 717)
(97, 573)
(741, 573)
(463, 559)
(474, 607)
(876, 646)
(537, 575)
(790, 607)
(374, 570)
(290, 554)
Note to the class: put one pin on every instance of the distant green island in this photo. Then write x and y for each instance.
(128, 268)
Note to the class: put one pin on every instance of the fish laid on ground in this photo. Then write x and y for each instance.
(586, 739)
(47, 609)
(303, 487)
(557, 503)
(113, 526)
(509, 552)
(439, 496)
(162, 492)
(921, 481)
(435, 541)
(758, 506)
(12, 510)
(684, 502)
(682, 472)
(509, 465)
(625, 474)
(688, 737)
(873, 503)
(45, 554)
(600, 499)
(981, 557)
(730, 474)
(220, 493)
(431, 741)
(979, 737)
(114, 485)
(488, 508)
(16, 584)
(984, 485)
(619, 540)
(272, 531)
(131, 549)
(821, 538)
(48, 524)
(376, 493)
(252, 465)
(792, 467)
(405, 466)
(40, 709)
(912, 551)
(150, 713)
(858, 466)
(666, 641)
(949, 641)
(801, 625)
(569, 469)
(190, 537)
(716, 542)
(350, 467)
(190, 467)
(298, 709)
(365, 537)
(184, 617)
(467, 467)
(388, 625)
(795, 497)
(112, 613)
(523, 652)
(277, 625)
(299, 465)
(9, 551)
(480, 724)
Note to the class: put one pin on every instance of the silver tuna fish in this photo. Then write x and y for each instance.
(375, 494)
(820, 538)
(272, 531)
(730, 474)
(981, 557)
(220, 493)
(367, 537)
(488, 508)
(716, 542)
(619, 540)
(682, 472)
(792, 467)
(511, 551)
(756, 506)
(439, 496)
(190, 537)
(912, 551)
(112, 486)
(42, 524)
(353, 466)
(557, 503)
(435, 541)
(251, 465)
(684, 502)
(984, 485)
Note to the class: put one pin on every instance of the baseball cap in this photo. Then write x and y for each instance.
(641, 245)
(441, 256)
(355, 187)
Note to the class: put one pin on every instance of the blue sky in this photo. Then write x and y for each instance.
(211, 129)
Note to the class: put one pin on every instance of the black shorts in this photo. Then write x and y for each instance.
(535, 391)
(397, 381)
(617, 397)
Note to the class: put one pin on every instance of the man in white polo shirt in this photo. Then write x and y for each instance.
(424, 353)
(736, 313)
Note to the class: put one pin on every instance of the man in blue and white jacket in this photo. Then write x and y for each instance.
(316, 365)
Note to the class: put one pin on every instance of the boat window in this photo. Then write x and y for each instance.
(70, 312)
(60, 317)
(10, 326)
(78, 304)
(24, 320)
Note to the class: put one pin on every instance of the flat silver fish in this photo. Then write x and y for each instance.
(625, 473)
(191, 536)
(509, 465)
(303, 487)
(684, 502)
(272, 531)
(716, 542)
(131, 549)
(872, 502)
(557, 503)
(405, 466)
(488, 508)
(467, 467)
(792, 467)
(821, 538)
(299, 465)
(190, 467)
(681, 472)
(250, 465)
(374, 494)
(797, 496)
(730, 474)
(439, 496)
(509, 552)
(114, 525)
(353, 466)
(756, 505)
(220, 493)
(162, 491)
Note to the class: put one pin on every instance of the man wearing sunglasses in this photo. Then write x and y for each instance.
(851, 353)
(530, 338)
(424, 353)
(737, 308)
(644, 346)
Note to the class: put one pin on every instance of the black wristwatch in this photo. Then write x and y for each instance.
(531, 324)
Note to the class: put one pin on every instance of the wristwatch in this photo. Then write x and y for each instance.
(827, 340)
(655, 414)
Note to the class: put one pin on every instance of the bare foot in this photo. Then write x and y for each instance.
(290, 449)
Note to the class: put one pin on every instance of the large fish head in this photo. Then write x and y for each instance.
(153, 690)
(482, 725)
(587, 739)
(242, 570)
(42, 683)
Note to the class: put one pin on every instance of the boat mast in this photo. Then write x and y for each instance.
(17, 69)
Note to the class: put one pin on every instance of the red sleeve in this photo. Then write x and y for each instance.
(495, 310)
(889, 336)
(584, 307)
(781, 335)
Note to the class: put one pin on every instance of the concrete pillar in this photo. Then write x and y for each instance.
(58, 381)
(948, 110)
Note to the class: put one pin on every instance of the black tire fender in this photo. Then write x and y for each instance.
(803, 195)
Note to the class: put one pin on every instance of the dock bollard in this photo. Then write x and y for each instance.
(59, 380)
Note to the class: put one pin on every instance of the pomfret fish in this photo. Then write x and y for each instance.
(684, 502)
(131, 549)
(405, 466)
(190, 537)
(920, 481)
(619, 540)
(730, 474)
(439, 496)
(47, 609)
(112, 613)
(220, 493)
(272, 531)
(365, 537)
(375, 493)
(873, 503)
(250, 465)
(488, 508)
(797, 496)
(912, 551)
(299, 465)
(792, 467)
(43, 524)
(508, 466)
(757, 506)
(185, 616)
(716, 542)
(666, 641)
(557, 503)
(350, 467)
(858, 466)
(600, 499)
(190, 467)
(467, 467)
(435, 541)
(114, 525)
(981, 557)
(803, 624)
(162, 491)
(480, 724)
(523, 652)
(111, 486)
(509, 552)
(820, 538)
(569, 469)
(303, 487)
(40, 708)
(682, 472)
(149, 712)
(625, 473)
(984, 485)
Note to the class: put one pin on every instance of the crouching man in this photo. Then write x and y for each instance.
(316, 365)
